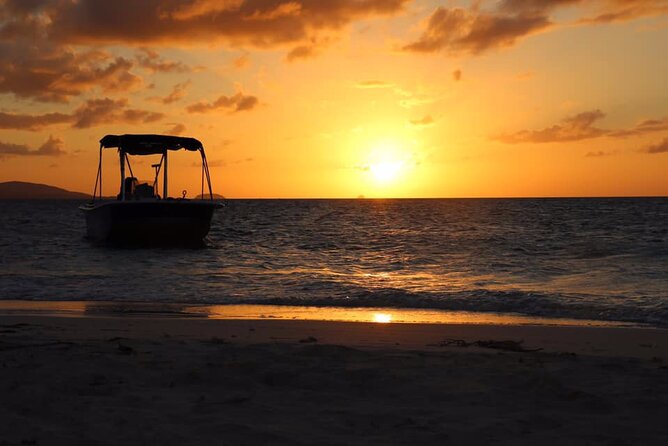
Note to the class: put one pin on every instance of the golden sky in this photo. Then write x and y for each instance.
(343, 98)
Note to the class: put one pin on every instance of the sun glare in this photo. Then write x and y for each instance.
(385, 171)
(387, 162)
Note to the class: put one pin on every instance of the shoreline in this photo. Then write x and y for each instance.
(381, 315)
(358, 328)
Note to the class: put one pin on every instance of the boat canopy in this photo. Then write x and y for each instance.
(149, 144)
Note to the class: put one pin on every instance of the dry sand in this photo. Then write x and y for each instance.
(132, 380)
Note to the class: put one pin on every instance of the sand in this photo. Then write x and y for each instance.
(172, 380)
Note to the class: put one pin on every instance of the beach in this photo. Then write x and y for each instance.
(114, 379)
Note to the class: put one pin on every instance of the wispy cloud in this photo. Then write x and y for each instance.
(51, 147)
(178, 92)
(235, 103)
(573, 128)
(91, 113)
(661, 147)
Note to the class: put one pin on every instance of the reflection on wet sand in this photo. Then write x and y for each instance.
(282, 312)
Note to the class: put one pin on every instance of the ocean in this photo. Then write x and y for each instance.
(595, 258)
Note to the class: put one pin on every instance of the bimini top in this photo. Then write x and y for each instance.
(149, 144)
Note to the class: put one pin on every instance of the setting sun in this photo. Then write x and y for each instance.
(385, 171)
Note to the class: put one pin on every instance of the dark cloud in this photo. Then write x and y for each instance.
(32, 122)
(476, 30)
(55, 74)
(533, 6)
(91, 113)
(41, 41)
(151, 61)
(423, 122)
(236, 103)
(256, 22)
(574, 128)
(661, 147)
(471, 31)
(107, 111)
(51, 147)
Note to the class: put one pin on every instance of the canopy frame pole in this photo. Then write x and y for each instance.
(164, 177)
(157, 168)
(121, 153)
(127, 159)
(98, 177)
(205, 166)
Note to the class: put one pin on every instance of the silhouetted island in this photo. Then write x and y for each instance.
(20, 190)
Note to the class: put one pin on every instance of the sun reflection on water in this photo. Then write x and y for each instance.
(382, 318)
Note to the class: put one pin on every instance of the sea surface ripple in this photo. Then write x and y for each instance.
(604, 259)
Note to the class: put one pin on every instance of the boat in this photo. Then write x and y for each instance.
(139, 215)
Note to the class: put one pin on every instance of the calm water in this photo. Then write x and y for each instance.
(580, 258)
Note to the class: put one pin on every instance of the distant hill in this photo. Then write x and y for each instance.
(19, 190)
(206, 197)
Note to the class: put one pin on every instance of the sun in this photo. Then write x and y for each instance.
(386, 162)
(386, 171)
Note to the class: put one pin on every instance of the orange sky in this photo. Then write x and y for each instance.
(343, 98)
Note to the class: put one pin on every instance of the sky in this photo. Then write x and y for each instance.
(343, 98)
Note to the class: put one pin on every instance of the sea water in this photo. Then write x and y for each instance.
(599, 258)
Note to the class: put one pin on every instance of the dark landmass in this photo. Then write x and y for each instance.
(19, 190)
(206, 196)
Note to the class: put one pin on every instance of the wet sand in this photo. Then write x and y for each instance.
(173, 380)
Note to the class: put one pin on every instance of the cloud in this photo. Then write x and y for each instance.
(661, 147)
(598, 154)
(471, 31)
(51, 147)
(457, 75)
(374, 84)
(42, 42)
(236, 103)
(44, 72)
(151, 61)
(459, 31)
(31, 122)
(48, 73)
(261, 23)
(91, 113)
(534, 6)
(574, 128)
(644, 127)
(107, 111)
(427, 121)
(580, 127)
(176, 129)
(301, 52)
(613, 11)
(178, 92)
